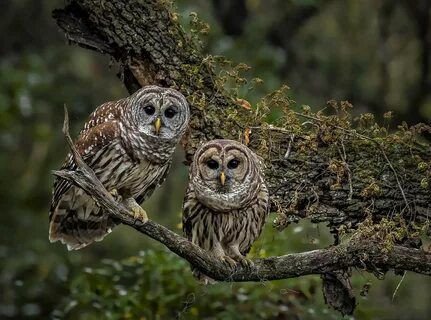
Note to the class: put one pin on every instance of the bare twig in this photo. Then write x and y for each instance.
(289, 147)
(349, 173)
(395, 174)
(398, 286)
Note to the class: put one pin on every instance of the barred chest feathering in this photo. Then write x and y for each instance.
(117, 170)
(239, 227)
(147, 148)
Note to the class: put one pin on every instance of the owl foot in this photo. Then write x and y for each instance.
(117, 197)
(229, 261)
(138, 213)
(243, 261)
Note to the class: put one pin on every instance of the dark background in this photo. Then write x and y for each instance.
(376, 54)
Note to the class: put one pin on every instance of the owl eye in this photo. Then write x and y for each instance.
(149, 109)
(170, 112)
(212, 164)
(233, 164)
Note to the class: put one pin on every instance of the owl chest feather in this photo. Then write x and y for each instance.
(117, 170)
(238, 227)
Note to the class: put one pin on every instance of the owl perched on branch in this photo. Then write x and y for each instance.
(226, 202)
(129, 145)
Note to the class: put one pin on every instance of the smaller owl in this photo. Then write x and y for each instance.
(226, 202)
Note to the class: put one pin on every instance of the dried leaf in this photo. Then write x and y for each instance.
(247, 136)
(243, 103)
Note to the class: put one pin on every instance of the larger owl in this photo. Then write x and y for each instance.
(226, 201)
(129, 145)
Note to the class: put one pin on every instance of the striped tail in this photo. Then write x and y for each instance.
(77, 221)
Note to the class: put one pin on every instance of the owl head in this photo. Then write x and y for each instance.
(159, 113)
(225, 175)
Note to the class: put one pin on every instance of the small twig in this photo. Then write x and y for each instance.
(310, 122)
(398, 286)
(273, 128)
(80, 163)
(289, 147)
(395, 174)
(349, 173)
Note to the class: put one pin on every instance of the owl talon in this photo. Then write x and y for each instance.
(138, 213)
(244, 262)
(117, 197)
(229, 261)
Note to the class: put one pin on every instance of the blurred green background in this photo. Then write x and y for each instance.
(376, 54)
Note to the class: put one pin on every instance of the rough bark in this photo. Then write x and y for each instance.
(347, 173)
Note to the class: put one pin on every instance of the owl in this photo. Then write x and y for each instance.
(129, 145)
(226, 202)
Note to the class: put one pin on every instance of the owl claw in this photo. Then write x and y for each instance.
(117, 197)
(138, 213)
(229, 261)
(245, 262)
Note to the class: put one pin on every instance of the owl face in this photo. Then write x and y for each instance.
(225, 175)
(223, 169)
(160, 113)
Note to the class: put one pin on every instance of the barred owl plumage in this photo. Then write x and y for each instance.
(129, 145)
(226, 202)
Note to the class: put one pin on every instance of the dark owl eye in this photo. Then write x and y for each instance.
(233, 164)
(170, 112)
(149, 109)
(212, 164)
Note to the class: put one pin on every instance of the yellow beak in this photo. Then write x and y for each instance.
(222, 178)
(157, 125)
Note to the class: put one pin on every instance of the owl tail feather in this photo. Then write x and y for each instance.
(78, 237)
(76, 229)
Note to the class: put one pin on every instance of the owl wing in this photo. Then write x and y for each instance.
(101, 128)
(191, 208)
(258, 212)
(149, 191)
(106, 112)
(90, 145)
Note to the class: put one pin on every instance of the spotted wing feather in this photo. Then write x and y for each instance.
(74, 218)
